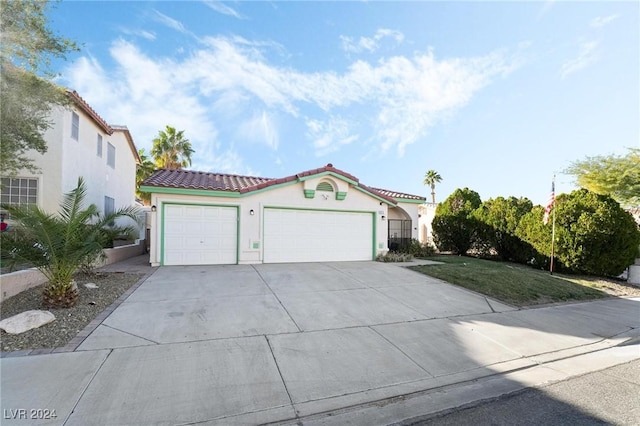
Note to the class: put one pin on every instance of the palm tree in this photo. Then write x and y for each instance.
(171, 150)
(58, 244)
(430, 179)
(143, 170)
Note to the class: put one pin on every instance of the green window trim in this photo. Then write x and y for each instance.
(309, 193)
(409, 201)
(341, 195)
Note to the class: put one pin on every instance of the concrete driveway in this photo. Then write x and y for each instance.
(247, 344)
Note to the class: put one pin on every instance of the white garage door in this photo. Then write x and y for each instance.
(200, 235)
(316, 236)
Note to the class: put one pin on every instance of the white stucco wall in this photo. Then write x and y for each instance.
(427, 212)
(50, 164)
(288, 195)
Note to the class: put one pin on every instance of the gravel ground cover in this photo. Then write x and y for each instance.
(68, 322)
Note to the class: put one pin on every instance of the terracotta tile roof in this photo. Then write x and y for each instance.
(127, 135)
(400, 195)
(188, 179)
(84, 106)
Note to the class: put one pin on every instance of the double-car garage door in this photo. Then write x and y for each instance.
(208, 235)
(316, 236)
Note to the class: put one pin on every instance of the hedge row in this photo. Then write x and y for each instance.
(593, 234)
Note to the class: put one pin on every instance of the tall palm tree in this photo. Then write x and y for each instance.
(430, 179)
(143, 170)
(59, 244)
(171, 150)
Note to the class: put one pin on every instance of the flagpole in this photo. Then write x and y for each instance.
(553, 229)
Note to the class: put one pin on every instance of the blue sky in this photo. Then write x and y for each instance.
(495, 96)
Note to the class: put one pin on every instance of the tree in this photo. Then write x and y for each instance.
(616, 176)
(502, 216)
(58, 244)
(430, 179)
(594, 235)
(460, 202)
(171, 150)
(27, 42)
(454, 227)
(532, 231)
(26, 49)
(27, 101)
(143, 170)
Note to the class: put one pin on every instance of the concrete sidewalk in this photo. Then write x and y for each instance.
(331, 343)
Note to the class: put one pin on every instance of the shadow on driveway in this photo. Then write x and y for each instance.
(247, 344)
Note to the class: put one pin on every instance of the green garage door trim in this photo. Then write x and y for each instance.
(373, 214)
(163, 206)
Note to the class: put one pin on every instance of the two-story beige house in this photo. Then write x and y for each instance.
(80, 143)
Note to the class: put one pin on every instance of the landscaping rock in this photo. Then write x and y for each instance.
(26, 321)
(91, 285)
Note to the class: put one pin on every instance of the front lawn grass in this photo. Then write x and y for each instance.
(511, 283)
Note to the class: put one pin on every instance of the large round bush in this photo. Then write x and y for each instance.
(594, 235)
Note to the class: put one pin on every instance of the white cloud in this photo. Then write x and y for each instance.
(370, 44)
(220, 7)
(391, 103)
(139, 33)
(260, 128)
(226, 161)
(546, 7)
(328, 136)
(169, 22)
(588, 55)
(602, 21)
(141, 94)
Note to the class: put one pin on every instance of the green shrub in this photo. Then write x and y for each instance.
(533, 232)
(417, 249)
(501, 217)
(454, 227)
(394, 257)
(452, 233)
(461, 201)
(594, 235)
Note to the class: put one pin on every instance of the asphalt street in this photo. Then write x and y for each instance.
(610, 396)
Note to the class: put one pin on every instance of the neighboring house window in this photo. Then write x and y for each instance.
(109, 205)
(99, 146)
(19, 191)
(75, 126)
(111, 155)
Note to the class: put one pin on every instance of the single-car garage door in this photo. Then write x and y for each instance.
(317, 236)
(200, 235)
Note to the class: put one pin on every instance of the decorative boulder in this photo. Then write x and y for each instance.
(26, 321)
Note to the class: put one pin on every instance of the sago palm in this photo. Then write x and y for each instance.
(57, 244)
(171, 150)
(430, 179)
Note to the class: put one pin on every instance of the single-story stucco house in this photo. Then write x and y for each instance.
(325, 214)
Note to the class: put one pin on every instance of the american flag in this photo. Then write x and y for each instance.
(550, 203)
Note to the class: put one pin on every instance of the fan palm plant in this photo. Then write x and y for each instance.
(143, 170)
(171, 150)
(430, 179)
(58, 244)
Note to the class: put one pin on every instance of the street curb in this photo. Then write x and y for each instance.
(407, 409)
